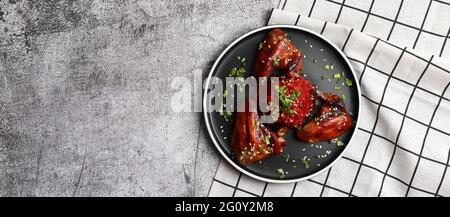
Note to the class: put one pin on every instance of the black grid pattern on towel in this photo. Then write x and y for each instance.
(397, 25)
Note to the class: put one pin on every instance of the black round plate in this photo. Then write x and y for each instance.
(318, 52)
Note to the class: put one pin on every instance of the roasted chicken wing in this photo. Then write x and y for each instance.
(277, 52)
(331, 121)
(252, 141)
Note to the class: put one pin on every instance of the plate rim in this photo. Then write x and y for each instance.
(216, 143)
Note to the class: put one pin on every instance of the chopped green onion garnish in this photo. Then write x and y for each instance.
(285, 157)
(348, 82)
(261, 44)
(343, 97)
(337, 87)
(276, 61)
(267, 139)
(225, 93)
(337, 76)
(225, 113)
(235, 72)
(324, 77)
(326, 67)
(280, 172)
(339, 143)
(292, 111)
(304, 161)
(331, 66)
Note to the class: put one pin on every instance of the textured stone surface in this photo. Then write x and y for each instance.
(85, 89)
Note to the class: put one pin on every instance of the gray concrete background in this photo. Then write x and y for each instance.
(85, 89)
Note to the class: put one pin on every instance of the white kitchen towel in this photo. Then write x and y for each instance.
(402, 146)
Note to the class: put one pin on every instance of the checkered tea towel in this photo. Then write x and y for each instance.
(402, 146)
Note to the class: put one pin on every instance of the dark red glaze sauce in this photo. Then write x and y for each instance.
(302, 107)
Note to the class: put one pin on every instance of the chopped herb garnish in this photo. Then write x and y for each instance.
(304, 162)
(287, 101)
(260, 148)
(225, 93)
(343, 97)
(337, 87)
(295, 95)
(276, 61)
(339, 143)
(292, 111)
(326, 67)
(285, 157)
(331, 66)
(224, 113)
(324, 77)
(233, 71)
(267, 138)
(237, 72)
(280, 172)
(348, 82)
(261, 44)
(241, 71)
(337, 76)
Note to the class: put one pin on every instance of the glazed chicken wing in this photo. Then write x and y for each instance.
(252, 141)
(278, 53)
(330, 122)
